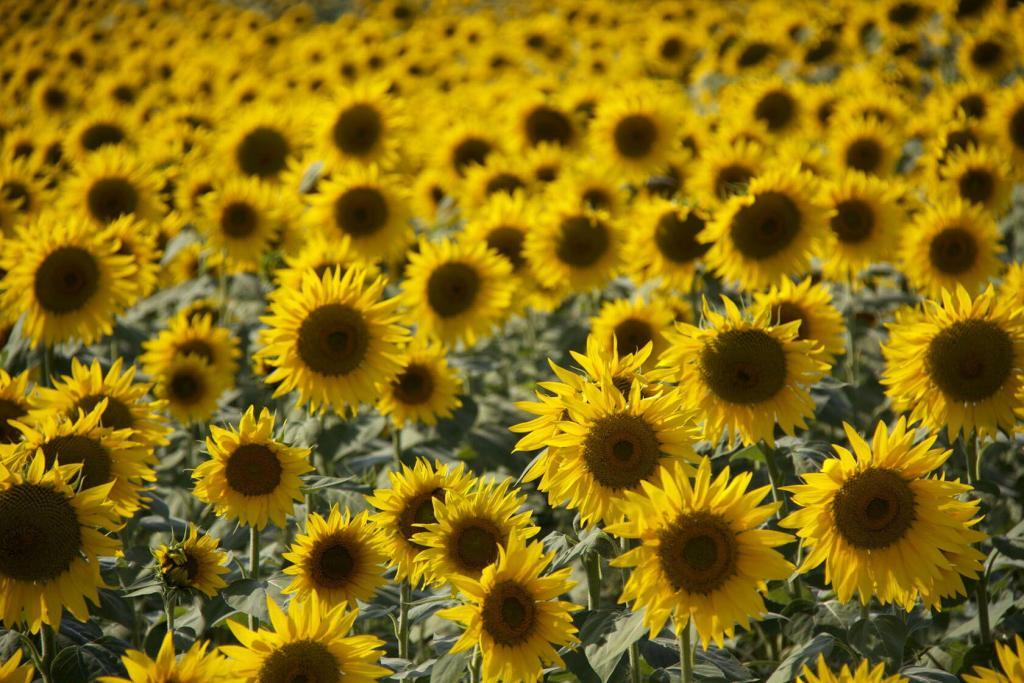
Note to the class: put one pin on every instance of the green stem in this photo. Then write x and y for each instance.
(865, 610)
(254, 568)
(634, 649)
(851, 319)
(403, 619)
(474, 666)
(592, 564)
(396, 440)
(686, 652)
(33, 654)
(47, 363)
(973, 459)
(774, 476)
(48, 650)
(169, 613)
(981, 593)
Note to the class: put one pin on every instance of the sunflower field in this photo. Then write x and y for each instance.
(525, 340)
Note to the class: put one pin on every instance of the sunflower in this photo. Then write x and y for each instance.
(501, 175)
(957, 364)
(190, 388)
(139, 241)
(308, 643)
(865, 144)
(743, 376)
(609, 441)
(978, 175)
(882, 526)
(260, 142)
(250, 476)
(864, 673)
(457, 291)
(866, 215)
(333, 339)
(951, 244)
(111, 184)
(502, 224)
(636, 132)
(321, 254)
(14, 405)
(769, 232)
(101, 129)
(535, 119)
(365, 125)
(196, 665)
(52, 534)
(590, 186)
(107, 455)
(465, 143)
(513, 615)
(702, 553)
(241, 218)
(365, 205)
(810, 304)
(989, 52)
(574, 246)
(196, 336)
(13, 671)
(1007, 122)
(88, 385)
(194, 563)
(408, 504)
(67, 281)
(772, 103)
(22, 190)
(424, 390)
(630, 325)
(1011, 660)
(664, 243)
(337, 560)
(471, 526)
(668, 50)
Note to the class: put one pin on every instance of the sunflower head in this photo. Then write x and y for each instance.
(194, 563)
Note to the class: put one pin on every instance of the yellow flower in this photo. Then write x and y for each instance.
(882, 527)
(702, 553)
(864, 673)
(193, 563)
(743, 376)
(866, 218)
(1011, 660)
(513, 615)
(13, 671)
(424, 390)
(308, 643)
(636, 131)
(52, 536)
(811, 305)
(196, 665)
(250, 476)
(957, 364)
(337, 560)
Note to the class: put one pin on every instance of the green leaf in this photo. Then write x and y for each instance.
(788, 670)
(752, 452)
(450, 668)
(921, 675)
(627, 628)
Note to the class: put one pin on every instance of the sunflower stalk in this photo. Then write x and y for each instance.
(686, 652)
(33, 654)
(474, 666)
(47, 651)
(254, 568)
(169, 613)
(972, 451)
(592, 565)
(634, 648)
(774, 475)
(403, 619)
(46, 359)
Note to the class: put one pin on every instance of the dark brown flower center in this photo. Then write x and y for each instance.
(547, 124)
(987, 54)
(453, 288)
(334, 560)
(976, 185)
(358, 130)
(419, 510)
(101, 134)
(40, 534)
(621, 450)
(414, 385)
(10, 410)
(74, 449)
(787, 312)
(507, 183)
(1016, 128)
(115, 416)
(864, 154)
(262, 152)
(66, 280)
(677, 239)
(633, 334)
(474, 545)
(582, 241)
(508, 241)
(744, 366)
(470, 151)
(698, 552)
(953, 251)
(766, 227)
(635, 136)
(874, 509)
(853, 221)
(253, 470)
(777, 109)
(361, 211)
(333, 340)
(970, 360)
(110, 198)
(186, 387)
(732, 180)
(509, 613)
(238, 220)
(301, 661)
